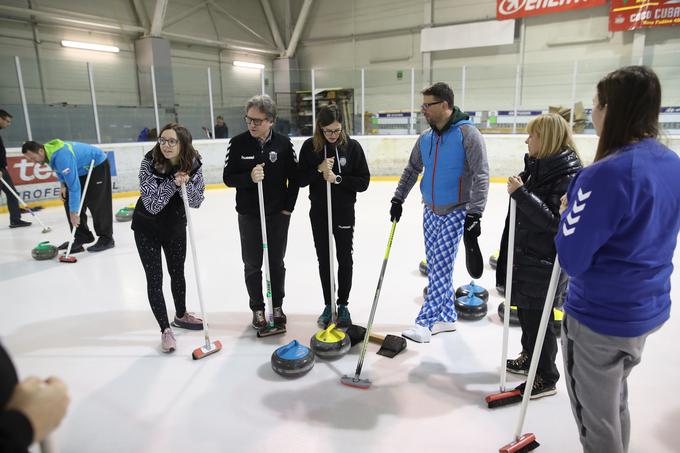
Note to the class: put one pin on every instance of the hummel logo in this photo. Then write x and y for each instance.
(576, 208)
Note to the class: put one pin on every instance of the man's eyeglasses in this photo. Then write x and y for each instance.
(427, 105)
(332, 132)
(255, 121)
(168, 141)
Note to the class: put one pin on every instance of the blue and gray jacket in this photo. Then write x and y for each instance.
(69, 160)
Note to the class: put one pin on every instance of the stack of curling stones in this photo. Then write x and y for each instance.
(292, 360)
(125, 214)
(471, 301)
(44, 251)
(493, 259)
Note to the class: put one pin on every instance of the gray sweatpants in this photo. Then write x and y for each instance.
(597, 368)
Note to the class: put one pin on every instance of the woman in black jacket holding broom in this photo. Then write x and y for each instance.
(331, 156)
(549, 167)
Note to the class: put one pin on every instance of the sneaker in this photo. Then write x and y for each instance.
(417, 333)
(188, 321)
(540, 388)
(168, 342)
(19, 224)
(259, 320)
(439, 327)
(344, 318)
(325, 317)
(279, 316)
(520, 365)
(102, 244)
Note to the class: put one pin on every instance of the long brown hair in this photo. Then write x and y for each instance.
(328, 114)
(554, 134)
(632, 96)
(187, 152)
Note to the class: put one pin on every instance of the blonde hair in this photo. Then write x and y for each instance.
(553, 133)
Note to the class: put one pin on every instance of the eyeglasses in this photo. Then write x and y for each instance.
(331, 132)
(167, 141)
(255, 121)
(427, 105)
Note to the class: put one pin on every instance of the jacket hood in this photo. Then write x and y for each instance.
(565, 163)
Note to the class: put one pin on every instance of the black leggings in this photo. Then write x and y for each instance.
(175, 249)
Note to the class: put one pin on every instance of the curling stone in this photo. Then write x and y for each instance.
(125, 214)
(292, 360)
(514, 319)
(474, 289)
(44, 251)
(422, 267)
(330, 343)
(470, 307)
(493, 259)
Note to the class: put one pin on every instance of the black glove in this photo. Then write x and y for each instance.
(472, 228)
(395, 210)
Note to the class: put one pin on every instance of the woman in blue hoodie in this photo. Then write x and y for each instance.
(616, 240)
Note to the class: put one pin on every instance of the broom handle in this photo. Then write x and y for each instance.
(265, 255)
(364, 346)
(540, 337)
(197, 274)
(331, 258)
(16, 195)
(80, 208)
(508, 291)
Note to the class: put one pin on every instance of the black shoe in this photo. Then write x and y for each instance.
(539, 389)
(325, 317)
(344, 319)
(258, 319)
(76, 245)
(101, 245)
(19, 224)
(520, 365)
(279, 316)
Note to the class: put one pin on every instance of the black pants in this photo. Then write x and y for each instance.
(343, 233)
(175, 248)
(251, 253)
(529, 320)
(98, 201)
(12, 203)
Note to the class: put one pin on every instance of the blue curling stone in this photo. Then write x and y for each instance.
(473, 288)
(470, 307)
(292, 360)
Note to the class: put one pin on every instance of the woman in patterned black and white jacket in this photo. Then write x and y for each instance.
(159, 222)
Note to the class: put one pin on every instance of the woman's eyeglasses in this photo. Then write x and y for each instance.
(168, 141)
(255, 121)
(332, 132)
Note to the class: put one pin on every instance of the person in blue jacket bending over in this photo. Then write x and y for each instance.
(616, 240)
(71, 162)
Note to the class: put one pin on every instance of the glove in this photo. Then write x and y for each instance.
(395, 210)
(472, 228)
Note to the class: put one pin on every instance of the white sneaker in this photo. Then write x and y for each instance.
(168, 342)
(417, 333)
(439, 327)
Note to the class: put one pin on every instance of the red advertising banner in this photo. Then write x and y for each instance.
(512, 9)
(24, 171)
(634, 14)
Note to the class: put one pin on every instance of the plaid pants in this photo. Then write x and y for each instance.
(442, 236)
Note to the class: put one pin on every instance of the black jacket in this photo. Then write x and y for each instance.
(16, 432)
(160, 209)
(350, 164)
(3, 154)
(280, 171)
(538, 203)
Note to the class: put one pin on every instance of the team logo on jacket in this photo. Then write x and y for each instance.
(66, 171)
(343, 161)
(576, 208)
(273, 156)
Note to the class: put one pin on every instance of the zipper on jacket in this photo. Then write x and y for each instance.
(434, 170)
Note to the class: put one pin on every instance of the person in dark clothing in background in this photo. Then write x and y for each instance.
(221, 129)
(159, 222)
(549, 167)
(31, 409)
(262, 155)
(12, 203)
(331, 156)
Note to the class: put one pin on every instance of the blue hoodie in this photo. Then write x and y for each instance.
(69, 160)
(617, 238)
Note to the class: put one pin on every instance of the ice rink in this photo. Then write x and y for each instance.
(90, 324)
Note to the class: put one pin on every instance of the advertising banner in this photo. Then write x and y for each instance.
(634, 14)
(513, 9)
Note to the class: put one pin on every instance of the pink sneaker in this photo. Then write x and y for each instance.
(188, 321)
(168, 343)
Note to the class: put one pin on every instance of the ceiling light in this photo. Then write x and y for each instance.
(245, 64)
(89, 46)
